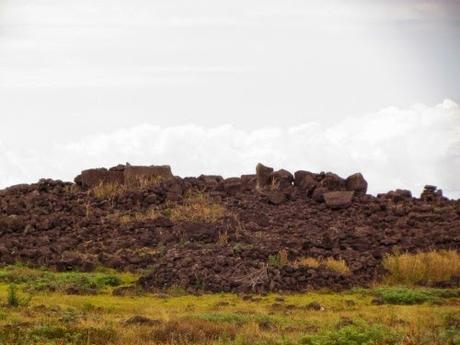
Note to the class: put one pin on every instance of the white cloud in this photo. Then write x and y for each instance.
(393, 148)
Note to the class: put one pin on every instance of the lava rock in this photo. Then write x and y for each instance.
(338, 200)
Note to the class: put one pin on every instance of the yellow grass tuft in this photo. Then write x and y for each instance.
(339, 266)
(198, 208)
(307, 262)
(422, 268)
(107, 190)
(143, 182)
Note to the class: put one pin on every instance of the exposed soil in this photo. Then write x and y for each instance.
(65, 226)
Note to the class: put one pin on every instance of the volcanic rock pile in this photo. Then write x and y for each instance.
(68, 226)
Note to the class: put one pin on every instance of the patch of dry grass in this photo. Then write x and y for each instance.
(143, 182)
(424, 268)
(307, 262)
(107, 190)
(192, 331)
(110, 190)
(339, 266)
(145, 216)
(198, 207)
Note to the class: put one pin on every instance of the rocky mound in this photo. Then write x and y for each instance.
(214, 234)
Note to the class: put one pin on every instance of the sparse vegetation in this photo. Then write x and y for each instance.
(307, 262)
(339, 266)
(279, 260)
(197, 207)
(332, 264)
(107, 190)
(12, 299)
(145, 216)
(34, 280)
(358, 333)
(143, 182)
(403, 296)
(56, 318)
(110, 190)
(425, 268)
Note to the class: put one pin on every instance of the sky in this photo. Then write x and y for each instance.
(215, 86)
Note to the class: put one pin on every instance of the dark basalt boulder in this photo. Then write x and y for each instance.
(305, 181)
(281, 179)
(333, 182)
(232, 185)
(356, 183)
(263, 175)
(93, 177)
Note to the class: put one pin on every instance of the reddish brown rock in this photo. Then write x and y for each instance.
(305, 180)
(338, 200)
(276, 198)
(232, 185)
(263, 175)
(356, 183)
(281, 179)
(135, 175)
(94, 177)
(333, 182)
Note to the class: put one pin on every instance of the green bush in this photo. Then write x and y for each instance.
(403, 296)
(12, 299)
(359, 333)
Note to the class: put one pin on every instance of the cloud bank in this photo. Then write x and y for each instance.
(393, 148)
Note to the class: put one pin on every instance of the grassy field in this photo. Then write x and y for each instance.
(41, 307)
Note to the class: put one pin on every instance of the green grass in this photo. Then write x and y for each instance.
(410, 296)
(52, 316)
(358, 333)
(36, 280)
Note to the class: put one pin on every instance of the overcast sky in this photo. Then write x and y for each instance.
(344, 86)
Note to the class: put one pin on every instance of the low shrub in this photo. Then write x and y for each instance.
(358, 333)
(403, 296)
(12, 299)
(425, 268)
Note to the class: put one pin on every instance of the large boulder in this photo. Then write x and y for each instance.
(263, 175)
(93, 177)
(356, 183)
(397, 195)
(145, 175)
(305, 181)
(281, 179)
(232, 185)
(248, 182)
(339, 199)
(333, 182)
(318, 194)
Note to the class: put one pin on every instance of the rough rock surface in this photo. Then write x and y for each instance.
(64, 226)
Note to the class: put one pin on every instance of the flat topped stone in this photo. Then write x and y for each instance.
(338, 200)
